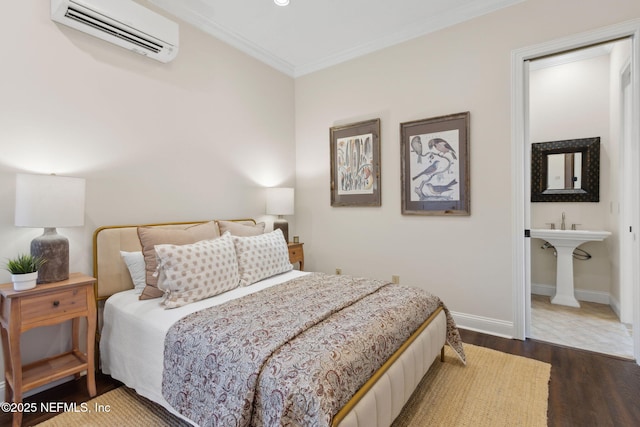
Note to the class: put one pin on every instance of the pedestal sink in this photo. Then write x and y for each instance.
(565, 241)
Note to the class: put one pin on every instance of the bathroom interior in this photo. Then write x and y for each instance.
(580, 95)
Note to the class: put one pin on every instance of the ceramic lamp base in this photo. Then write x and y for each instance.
(283, 225)
(55, 249)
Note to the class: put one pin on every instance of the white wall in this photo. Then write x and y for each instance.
(571, 101)
(465, 260)
(194, 139)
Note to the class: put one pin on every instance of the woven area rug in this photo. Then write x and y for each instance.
(494, 389)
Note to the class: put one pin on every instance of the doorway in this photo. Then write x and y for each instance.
(576, 95)
(522, 169)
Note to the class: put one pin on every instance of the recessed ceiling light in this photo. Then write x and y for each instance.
(281, 2)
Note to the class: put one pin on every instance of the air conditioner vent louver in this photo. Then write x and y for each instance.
(121, 22)
(78, 15)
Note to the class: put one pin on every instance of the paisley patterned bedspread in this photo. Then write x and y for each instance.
(292, 354)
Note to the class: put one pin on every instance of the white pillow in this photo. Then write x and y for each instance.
(136, 266)
(261, 256)
(196, 271)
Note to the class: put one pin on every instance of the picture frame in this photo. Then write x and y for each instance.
(435, 166)
(355, 164)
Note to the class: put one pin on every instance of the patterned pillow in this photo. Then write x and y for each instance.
(196, 271)
(152, 236)
(261, 256)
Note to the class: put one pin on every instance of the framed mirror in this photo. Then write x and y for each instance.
(566, 171)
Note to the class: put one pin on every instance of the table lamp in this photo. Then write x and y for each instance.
(50, 201)
(280, 201)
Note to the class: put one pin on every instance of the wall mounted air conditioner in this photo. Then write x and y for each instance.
(121, 22)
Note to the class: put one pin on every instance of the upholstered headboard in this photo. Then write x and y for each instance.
(108, 267)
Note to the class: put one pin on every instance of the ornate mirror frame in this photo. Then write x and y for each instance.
(590, 188)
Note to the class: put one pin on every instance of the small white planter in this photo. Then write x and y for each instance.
(22, 282)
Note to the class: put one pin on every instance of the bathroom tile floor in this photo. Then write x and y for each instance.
(592, 327)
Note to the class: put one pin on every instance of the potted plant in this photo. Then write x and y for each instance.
(24, 271)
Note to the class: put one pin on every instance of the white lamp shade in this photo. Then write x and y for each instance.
(280, 201)
(49, 201)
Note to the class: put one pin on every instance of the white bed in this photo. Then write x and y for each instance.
(133, 332)
(130, 323)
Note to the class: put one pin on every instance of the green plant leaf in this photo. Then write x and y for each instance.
(24, 264)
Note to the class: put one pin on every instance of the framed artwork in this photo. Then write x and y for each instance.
(355, 164)
(435, 165)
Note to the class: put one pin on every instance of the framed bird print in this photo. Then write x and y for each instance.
(435, 165)
(355, 164)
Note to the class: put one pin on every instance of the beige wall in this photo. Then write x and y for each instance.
(465, 260)
(197, 138)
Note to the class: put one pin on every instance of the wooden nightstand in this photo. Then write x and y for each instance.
(46, 304)
(296, 254)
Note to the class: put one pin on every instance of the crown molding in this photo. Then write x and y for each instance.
(189, 12)
(435, 23)
(227, 35)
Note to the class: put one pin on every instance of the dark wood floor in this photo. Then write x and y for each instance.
(586, 389)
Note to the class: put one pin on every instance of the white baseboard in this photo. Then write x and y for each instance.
(615, 306)
(545, 290)
(487, 325)
(581, 294)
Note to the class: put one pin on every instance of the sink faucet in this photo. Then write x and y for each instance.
(562, 226)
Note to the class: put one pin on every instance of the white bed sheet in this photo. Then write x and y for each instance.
(133, 332)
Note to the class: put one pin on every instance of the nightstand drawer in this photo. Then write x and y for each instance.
(295, 254)
(40, 307)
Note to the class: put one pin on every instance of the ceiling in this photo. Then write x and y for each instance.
(309, 35)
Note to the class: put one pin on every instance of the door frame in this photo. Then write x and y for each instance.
(627, 175)
(521, 260)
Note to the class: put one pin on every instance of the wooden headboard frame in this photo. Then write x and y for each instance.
(109, 269)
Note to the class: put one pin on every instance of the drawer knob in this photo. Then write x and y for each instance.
(56, 303)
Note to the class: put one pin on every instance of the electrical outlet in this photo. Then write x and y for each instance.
(338, 271)
(395, 279)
